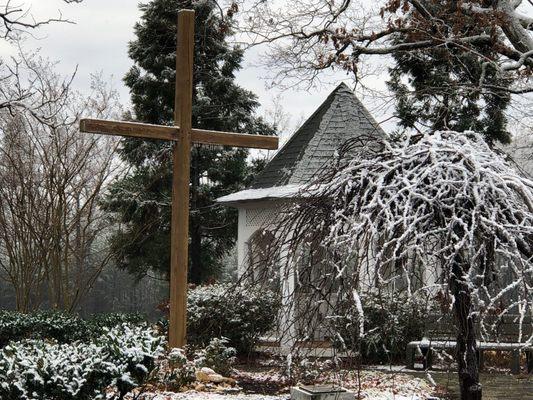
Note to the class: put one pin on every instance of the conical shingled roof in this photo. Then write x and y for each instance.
(342, 116)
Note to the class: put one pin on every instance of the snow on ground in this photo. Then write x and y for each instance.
(376, 385)
(207, 396)
(370, 384)
(388, 395)
(368, 395)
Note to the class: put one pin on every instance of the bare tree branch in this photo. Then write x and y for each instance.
(16, 19)
(310, 36)
(52, 231)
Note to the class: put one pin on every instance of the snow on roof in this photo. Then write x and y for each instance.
(276, 192)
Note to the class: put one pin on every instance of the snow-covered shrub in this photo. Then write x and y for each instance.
(390, 322)
(181, 370)
(184, 363)
(36, 369)
(13, 326)
(177, 358)
(241, 315)
(134, 348)
(41, 370)
(217, 356)
(97, 323)
(56, 325)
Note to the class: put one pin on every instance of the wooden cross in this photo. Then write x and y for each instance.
(182, 134)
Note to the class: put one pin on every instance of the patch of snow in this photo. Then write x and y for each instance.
(275, 192)
(389, 395)
(192, 395)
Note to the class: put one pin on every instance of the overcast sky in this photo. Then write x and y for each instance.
(98, 41)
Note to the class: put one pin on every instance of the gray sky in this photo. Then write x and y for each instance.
(98, 40)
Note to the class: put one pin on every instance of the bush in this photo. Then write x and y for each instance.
(181, 371)
(133, 349)
(183, 363)
(36, 369)
(217, 356)
(57, 325)
(390, 323)
(241, 315)
(13, 326)
(98, 323)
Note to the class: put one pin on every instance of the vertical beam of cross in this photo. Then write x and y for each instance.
(180, 180)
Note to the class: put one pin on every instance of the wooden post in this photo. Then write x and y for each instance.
(410, 357)
(529, 361)
(180, 181)
(480, 359)
(515, 362)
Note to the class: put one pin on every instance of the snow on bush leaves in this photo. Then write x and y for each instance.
(58, 325)
(33, 369)
(217, 356)
(239, 314)
(123, 356)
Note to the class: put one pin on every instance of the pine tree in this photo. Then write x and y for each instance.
(436, 87)
(142, 198)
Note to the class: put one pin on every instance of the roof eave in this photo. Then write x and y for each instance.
(264, 194)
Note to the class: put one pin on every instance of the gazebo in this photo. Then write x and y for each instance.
(340, 117)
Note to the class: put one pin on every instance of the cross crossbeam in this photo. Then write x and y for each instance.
(201, 136)
(182, 135)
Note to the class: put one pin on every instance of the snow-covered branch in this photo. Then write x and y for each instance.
(421, 215)
(437, 217)
(448, 189)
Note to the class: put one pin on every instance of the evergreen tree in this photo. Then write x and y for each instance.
(142, 199)
(436, 87)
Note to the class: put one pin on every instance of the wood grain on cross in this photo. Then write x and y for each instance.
(183, 135)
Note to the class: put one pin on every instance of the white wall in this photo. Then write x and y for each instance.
(252, 217)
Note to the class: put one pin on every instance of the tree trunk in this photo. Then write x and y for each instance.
(467, 363)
